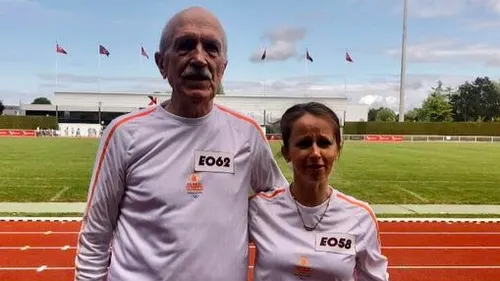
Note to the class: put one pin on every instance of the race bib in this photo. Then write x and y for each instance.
(212, 161)
(342, 243)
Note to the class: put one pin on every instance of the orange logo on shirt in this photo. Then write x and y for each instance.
(302, 269)
(193, 186)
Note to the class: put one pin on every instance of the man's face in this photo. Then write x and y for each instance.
(195, 62)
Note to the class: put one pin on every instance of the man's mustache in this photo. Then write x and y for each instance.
(198, 72)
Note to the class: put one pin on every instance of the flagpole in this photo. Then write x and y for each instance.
(98, 68)
(265, 75)
(140, 60)
(305, 60)
(57, 66)
(403, 65)
(306, 72)
(345, 73)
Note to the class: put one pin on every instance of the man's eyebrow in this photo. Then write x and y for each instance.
(189, 35)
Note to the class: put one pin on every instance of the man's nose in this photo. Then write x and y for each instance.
(199, 56)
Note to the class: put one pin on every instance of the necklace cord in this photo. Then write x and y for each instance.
(308, 228)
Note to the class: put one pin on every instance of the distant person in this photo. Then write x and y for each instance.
(308, 229)
(170, 184)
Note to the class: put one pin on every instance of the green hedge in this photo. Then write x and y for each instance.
(28, 122)
(417, 128)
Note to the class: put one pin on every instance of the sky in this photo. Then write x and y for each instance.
(448, 40)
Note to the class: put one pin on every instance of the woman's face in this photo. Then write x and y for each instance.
(312, 148)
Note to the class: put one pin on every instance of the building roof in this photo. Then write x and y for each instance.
(166, 94)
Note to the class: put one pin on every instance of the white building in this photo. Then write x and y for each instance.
(101, 107)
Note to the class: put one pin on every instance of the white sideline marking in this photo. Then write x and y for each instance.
(47, 232)
(59, 194)
(419, 197)
(437, 219)
(65, 247)
(41, 268)
(25, 248)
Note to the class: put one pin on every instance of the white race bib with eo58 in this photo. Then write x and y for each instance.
(342, 243)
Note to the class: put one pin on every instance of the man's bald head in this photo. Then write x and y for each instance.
(192, 15)
(193, 58)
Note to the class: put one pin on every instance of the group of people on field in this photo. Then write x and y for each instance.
(169, 193)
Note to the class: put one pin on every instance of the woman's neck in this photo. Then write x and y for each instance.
(310, 195)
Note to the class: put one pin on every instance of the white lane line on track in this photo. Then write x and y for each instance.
(41, 268)
(381, 233)
(451, 267)
(64, 248)
(448, 267)
(36, 232)
(444, 267)
(67, 247)
(34, 268)
(439, 220)
(441, 247)
(440, 233)
(396, 220)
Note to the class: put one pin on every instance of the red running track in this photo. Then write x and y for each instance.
(423, 251)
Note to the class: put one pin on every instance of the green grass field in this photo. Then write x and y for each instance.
(57, 169)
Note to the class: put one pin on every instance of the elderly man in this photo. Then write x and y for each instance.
(170, 185)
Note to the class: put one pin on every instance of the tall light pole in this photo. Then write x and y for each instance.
(402, 83)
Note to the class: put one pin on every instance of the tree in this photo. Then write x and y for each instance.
(412, 115)
(372, 113)
(476, 101)
(2, 107)
(436, 107)
(385, 115)
(41, 100)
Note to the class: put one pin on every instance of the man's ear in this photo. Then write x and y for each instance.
(159, 59)
(284, 152)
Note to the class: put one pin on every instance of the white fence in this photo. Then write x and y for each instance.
(72, 130)
(421, 138)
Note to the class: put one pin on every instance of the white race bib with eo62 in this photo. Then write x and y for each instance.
(213, 161)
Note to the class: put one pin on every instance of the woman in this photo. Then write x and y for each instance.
(308, 230)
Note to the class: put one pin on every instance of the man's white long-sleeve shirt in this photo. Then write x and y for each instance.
(171, 196)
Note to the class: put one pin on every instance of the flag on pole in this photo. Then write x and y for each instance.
(143, 53)
(103, 50)
(348, 57)
(308, 56)
(60, 49)
(263, 57)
